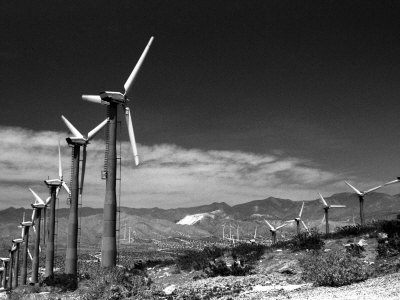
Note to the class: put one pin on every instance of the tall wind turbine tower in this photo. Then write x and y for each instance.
(326, 209)
(112, 100)
(37, 206)
(76, 142)
(361, 198)
(54, 185)
(25, 235)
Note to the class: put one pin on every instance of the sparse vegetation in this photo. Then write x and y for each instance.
(333, 268)
(307, 241)
(116, 283)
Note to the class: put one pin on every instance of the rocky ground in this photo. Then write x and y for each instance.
(277, 275)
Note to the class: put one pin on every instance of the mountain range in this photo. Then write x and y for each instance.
(207, 220)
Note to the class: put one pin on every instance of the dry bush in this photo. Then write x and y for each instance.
(334, 268)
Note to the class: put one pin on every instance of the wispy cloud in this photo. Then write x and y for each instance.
(168, 176)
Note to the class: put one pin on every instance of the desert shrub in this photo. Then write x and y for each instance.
(333, 269)
(65, 282)
(220, 268)
(310, 241)
(192, 259)
(388, 247)
(354, 230)
(390, 227)
(248, 253)
(355, 250)
(116, 283)
(198, 260)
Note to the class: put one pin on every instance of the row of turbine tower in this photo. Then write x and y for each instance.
(10, 265)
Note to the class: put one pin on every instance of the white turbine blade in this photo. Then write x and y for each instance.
(37, 198)
(71, 127)
(131, 79)
(373, 189)
(353, 188)
(22, 231)
(131, 134)
(322, 199)
(93, 132)
(92, 98)
(57, 191)
(60, 172)
(30, 255)
(66, 188)
(47, 202)
(270, 226)
(281, 226)
(83, 169)
(393, 181)
(304, 224)
(337, 206)
(323, 219)
(301, 210)
(290, 221)
(33, 215)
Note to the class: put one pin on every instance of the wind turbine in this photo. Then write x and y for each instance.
(112, 100)
(223, 231)
(6, 261)
(361, 195)
(326, 209)
(274, 229)
(298, 220)
(54, 185)
(16, 246)
(37, 206)
(25, 235)
(11, 267)
(76, 141)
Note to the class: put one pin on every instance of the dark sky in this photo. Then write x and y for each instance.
(312, 79)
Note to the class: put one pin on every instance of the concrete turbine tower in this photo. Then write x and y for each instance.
(361, 198)
(37, 206)
(76, 142)
(25, 235)
(326, 209)
(4, 269)
(113, 100)
(273, 230)
(16, 245)
(54, 186)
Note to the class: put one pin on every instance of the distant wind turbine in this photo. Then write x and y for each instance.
(274, 229)
(37, 206)
(25, 235)
(54, 186)
(361, 195)
(298, 220)
(326, 209)
(16, 245)
(5, 266)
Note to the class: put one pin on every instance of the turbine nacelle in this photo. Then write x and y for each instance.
(72, 140)
(17, 241)
(116, 97)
